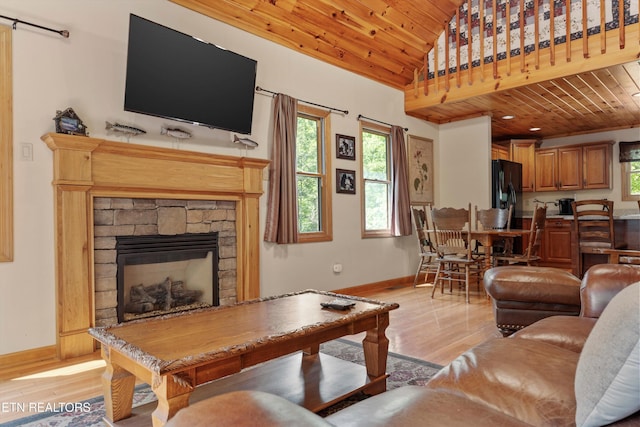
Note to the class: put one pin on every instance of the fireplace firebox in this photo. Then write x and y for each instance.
(162, 274)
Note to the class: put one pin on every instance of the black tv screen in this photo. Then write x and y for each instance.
(176, 76)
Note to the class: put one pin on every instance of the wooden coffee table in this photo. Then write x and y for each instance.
(176, 353)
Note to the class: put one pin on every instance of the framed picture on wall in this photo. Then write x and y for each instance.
(345, 147)
(345, 181)
(420, 162)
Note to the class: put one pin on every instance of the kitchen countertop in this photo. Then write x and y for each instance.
(623, 215)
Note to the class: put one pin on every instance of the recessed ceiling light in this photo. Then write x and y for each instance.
(534, 129)
(508, 117)
(636, 94)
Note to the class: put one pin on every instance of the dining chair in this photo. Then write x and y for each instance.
(494, 219)
(593, 228)
(426, 251)
(531, 255)
(456, 261)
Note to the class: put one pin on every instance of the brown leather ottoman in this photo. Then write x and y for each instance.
(523, 295)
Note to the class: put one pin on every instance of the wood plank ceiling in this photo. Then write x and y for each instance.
(386, 40)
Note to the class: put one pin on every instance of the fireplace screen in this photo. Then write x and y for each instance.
(165, 274)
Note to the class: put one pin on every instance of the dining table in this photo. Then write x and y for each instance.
(488, 236)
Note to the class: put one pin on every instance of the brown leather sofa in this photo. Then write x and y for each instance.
(543, 375)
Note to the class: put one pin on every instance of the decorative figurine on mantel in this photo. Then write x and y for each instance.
(175, 133)
(246, 141)
(68, 122)
(127, 131)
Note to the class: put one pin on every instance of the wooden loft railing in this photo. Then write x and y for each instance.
(533, 48)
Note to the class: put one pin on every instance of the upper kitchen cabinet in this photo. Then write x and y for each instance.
(559, 169)
(500, 152)
(575, 167)
(596, 165)
(524, 151)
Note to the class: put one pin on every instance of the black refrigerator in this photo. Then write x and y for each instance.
(506, 188)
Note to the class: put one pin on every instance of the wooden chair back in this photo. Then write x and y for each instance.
(493, 218)
(531, 253)
(452, 228)
(536, 232)
(593, 224)
(424, 231)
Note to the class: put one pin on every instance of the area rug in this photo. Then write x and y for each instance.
(403, 370)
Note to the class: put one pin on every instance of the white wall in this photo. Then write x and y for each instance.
(86, 72)
(464, 163)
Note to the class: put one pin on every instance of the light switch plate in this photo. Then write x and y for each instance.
(26, 152)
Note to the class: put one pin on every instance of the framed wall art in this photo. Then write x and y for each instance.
(345, 181)
(420, 162)
(345, 147)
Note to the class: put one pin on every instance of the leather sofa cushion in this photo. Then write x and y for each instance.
(246, 409)
(525, 379)
(601, 283)
(420, 406)
(568, 332)
(538, 285)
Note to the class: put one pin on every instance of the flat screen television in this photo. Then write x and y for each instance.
(176, 76)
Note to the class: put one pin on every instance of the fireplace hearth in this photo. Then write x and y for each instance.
(164, 274)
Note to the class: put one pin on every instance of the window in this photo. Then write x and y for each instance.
(377, 185)
(313, 183)
(630, 180)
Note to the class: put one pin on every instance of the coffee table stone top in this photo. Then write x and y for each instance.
(177, 341)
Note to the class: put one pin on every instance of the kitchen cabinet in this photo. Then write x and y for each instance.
(573, 167)
(524, 151)
(557, 248)
(596, 165)
(559, 169)
(500, 152)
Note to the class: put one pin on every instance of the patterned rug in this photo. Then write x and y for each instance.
(403, 370)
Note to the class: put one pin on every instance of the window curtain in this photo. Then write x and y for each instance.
(282, 205)
(629, 151)
(400, 205)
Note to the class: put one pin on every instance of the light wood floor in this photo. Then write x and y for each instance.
(436, 330)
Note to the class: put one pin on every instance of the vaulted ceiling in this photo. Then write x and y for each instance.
(588, 88)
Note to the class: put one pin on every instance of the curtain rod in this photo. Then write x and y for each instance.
(259, 89)
(360, 116)
(16, 21)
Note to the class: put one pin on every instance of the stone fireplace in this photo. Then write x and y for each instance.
(152, 244)
(90, 171)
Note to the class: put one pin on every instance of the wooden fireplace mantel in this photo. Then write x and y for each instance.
(85, 168)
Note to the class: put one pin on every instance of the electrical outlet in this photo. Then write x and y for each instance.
(337, 268)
